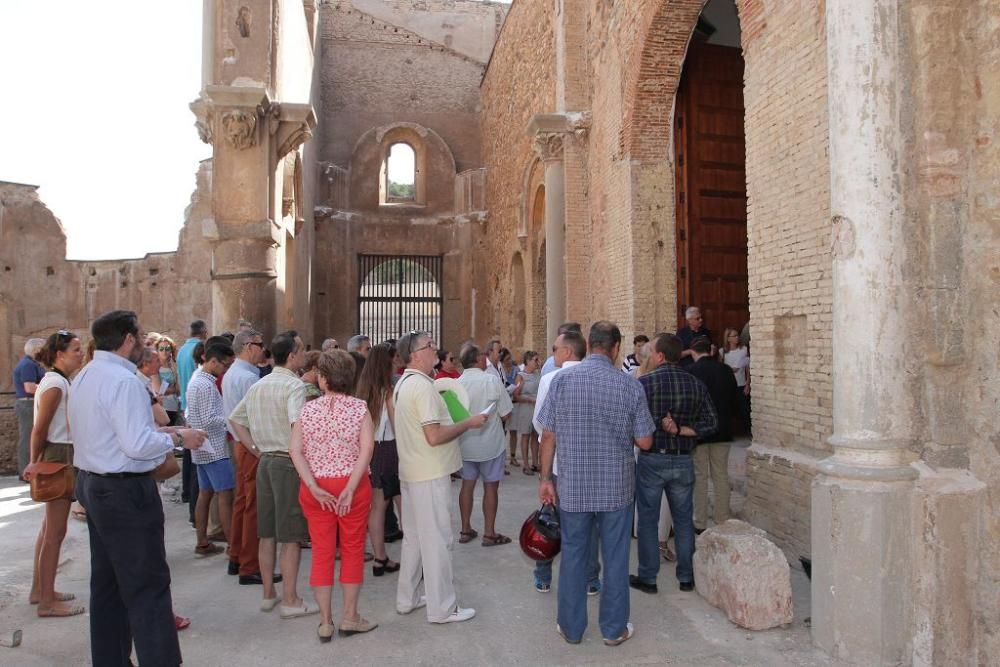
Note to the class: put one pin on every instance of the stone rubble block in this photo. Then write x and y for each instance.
(739, 570)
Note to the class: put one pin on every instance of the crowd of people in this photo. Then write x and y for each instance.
(283, 448)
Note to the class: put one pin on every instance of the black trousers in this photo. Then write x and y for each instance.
(129, 577)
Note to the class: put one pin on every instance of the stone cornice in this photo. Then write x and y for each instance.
(550, 131)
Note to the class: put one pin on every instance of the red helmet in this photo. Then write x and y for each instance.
(540, 534)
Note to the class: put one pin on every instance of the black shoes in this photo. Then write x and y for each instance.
(256, 580)
(687, 586)
(394, 536)
(635, 582)
(234, 568)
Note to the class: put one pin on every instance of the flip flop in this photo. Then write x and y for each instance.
(60, 597)
(52, 612)
(495, 540)
(181, 622)
(466, 537)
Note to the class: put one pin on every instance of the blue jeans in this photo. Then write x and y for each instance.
(543, 568)
(615, 531)
(656, 473)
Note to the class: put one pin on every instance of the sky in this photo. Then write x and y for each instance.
(95, 112)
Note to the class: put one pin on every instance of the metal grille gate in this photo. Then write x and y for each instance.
(399, 294)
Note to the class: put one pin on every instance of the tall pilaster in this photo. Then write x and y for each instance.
(548, 131)
(861, 500)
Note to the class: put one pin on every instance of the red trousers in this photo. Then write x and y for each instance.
(325, 525)
(243, 540)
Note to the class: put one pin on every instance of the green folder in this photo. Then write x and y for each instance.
(455, 407)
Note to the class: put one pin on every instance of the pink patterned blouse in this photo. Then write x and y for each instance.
(331, 434)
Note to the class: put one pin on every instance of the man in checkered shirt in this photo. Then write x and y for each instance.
(593, 415)
(683, 409)
(212, 464)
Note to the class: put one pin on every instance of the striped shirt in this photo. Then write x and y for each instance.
(204, 411)
(596, 413)
(270, 408)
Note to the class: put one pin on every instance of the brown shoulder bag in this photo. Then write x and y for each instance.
(51, 481)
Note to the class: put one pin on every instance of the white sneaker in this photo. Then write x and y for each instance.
(421, 603)
(459, 615)
(304, 609)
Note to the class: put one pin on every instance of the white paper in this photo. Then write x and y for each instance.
(205, 446)
(163, 388)
(489, 409)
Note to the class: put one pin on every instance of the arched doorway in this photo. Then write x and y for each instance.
(518, 300)
(399, 294)
(537, 321)
(710, 174)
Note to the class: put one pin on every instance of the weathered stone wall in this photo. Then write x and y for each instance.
(41, 291)
(400, 71)
(375, 72)
(519, 83)
(953, 276)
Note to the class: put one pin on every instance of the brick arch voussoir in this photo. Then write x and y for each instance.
(652, 84)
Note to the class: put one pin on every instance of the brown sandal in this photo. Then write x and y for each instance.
(60, 612)
(495, 540)
(465, 537)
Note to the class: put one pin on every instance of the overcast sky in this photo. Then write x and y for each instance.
(95, 112)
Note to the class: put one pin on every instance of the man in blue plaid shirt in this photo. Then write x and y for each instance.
(683, 410)
(593, 415)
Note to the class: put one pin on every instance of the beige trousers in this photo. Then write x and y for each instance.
(711, 460)
(427, 544)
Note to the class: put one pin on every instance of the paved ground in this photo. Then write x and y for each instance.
(514, 625)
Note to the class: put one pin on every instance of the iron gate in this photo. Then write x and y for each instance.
(398, 294)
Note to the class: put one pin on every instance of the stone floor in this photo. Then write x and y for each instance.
(514, 624)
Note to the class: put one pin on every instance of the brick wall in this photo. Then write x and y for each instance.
(519, 83)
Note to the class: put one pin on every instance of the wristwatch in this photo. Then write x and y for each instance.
(545, 478)
(176, 438)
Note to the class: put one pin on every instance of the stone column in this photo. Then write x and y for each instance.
(862, 543)
(548, 131)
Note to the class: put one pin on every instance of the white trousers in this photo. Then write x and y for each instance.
(427, 544)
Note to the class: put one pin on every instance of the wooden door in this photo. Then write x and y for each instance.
(711, 189)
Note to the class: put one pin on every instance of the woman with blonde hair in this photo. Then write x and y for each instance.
(331, 447)
(737, 357)
(52, 441)
(165, 382)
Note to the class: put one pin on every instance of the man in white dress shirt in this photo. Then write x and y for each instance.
(116, 448)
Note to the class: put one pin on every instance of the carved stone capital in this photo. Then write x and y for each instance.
(296, 122)
(239, 127)
(549, 146)
(203, 119)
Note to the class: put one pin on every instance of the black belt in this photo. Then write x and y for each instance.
(674, 451)
(119, 475)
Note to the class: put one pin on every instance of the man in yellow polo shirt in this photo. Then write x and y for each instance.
(427, 442)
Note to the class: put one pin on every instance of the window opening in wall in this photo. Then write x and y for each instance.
(400, 173)
(399, 294)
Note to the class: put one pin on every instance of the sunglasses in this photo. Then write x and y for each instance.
(65, 334)
(165, 349)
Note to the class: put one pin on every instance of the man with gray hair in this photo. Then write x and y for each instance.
(243, 543)
(27, 374)
(482, 449)
(426, 440)
(361, 344)
(695, 329)
(330, 344)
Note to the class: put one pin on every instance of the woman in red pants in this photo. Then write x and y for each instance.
(331, 447)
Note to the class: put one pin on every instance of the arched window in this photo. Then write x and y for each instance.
(401, 174)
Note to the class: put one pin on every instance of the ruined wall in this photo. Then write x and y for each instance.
(376, 72)
(399, 72)
(519, 83)
(41, 291)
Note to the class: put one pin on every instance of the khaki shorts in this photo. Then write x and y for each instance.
(279, 515)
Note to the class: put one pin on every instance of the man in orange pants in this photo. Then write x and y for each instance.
(243, 542)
